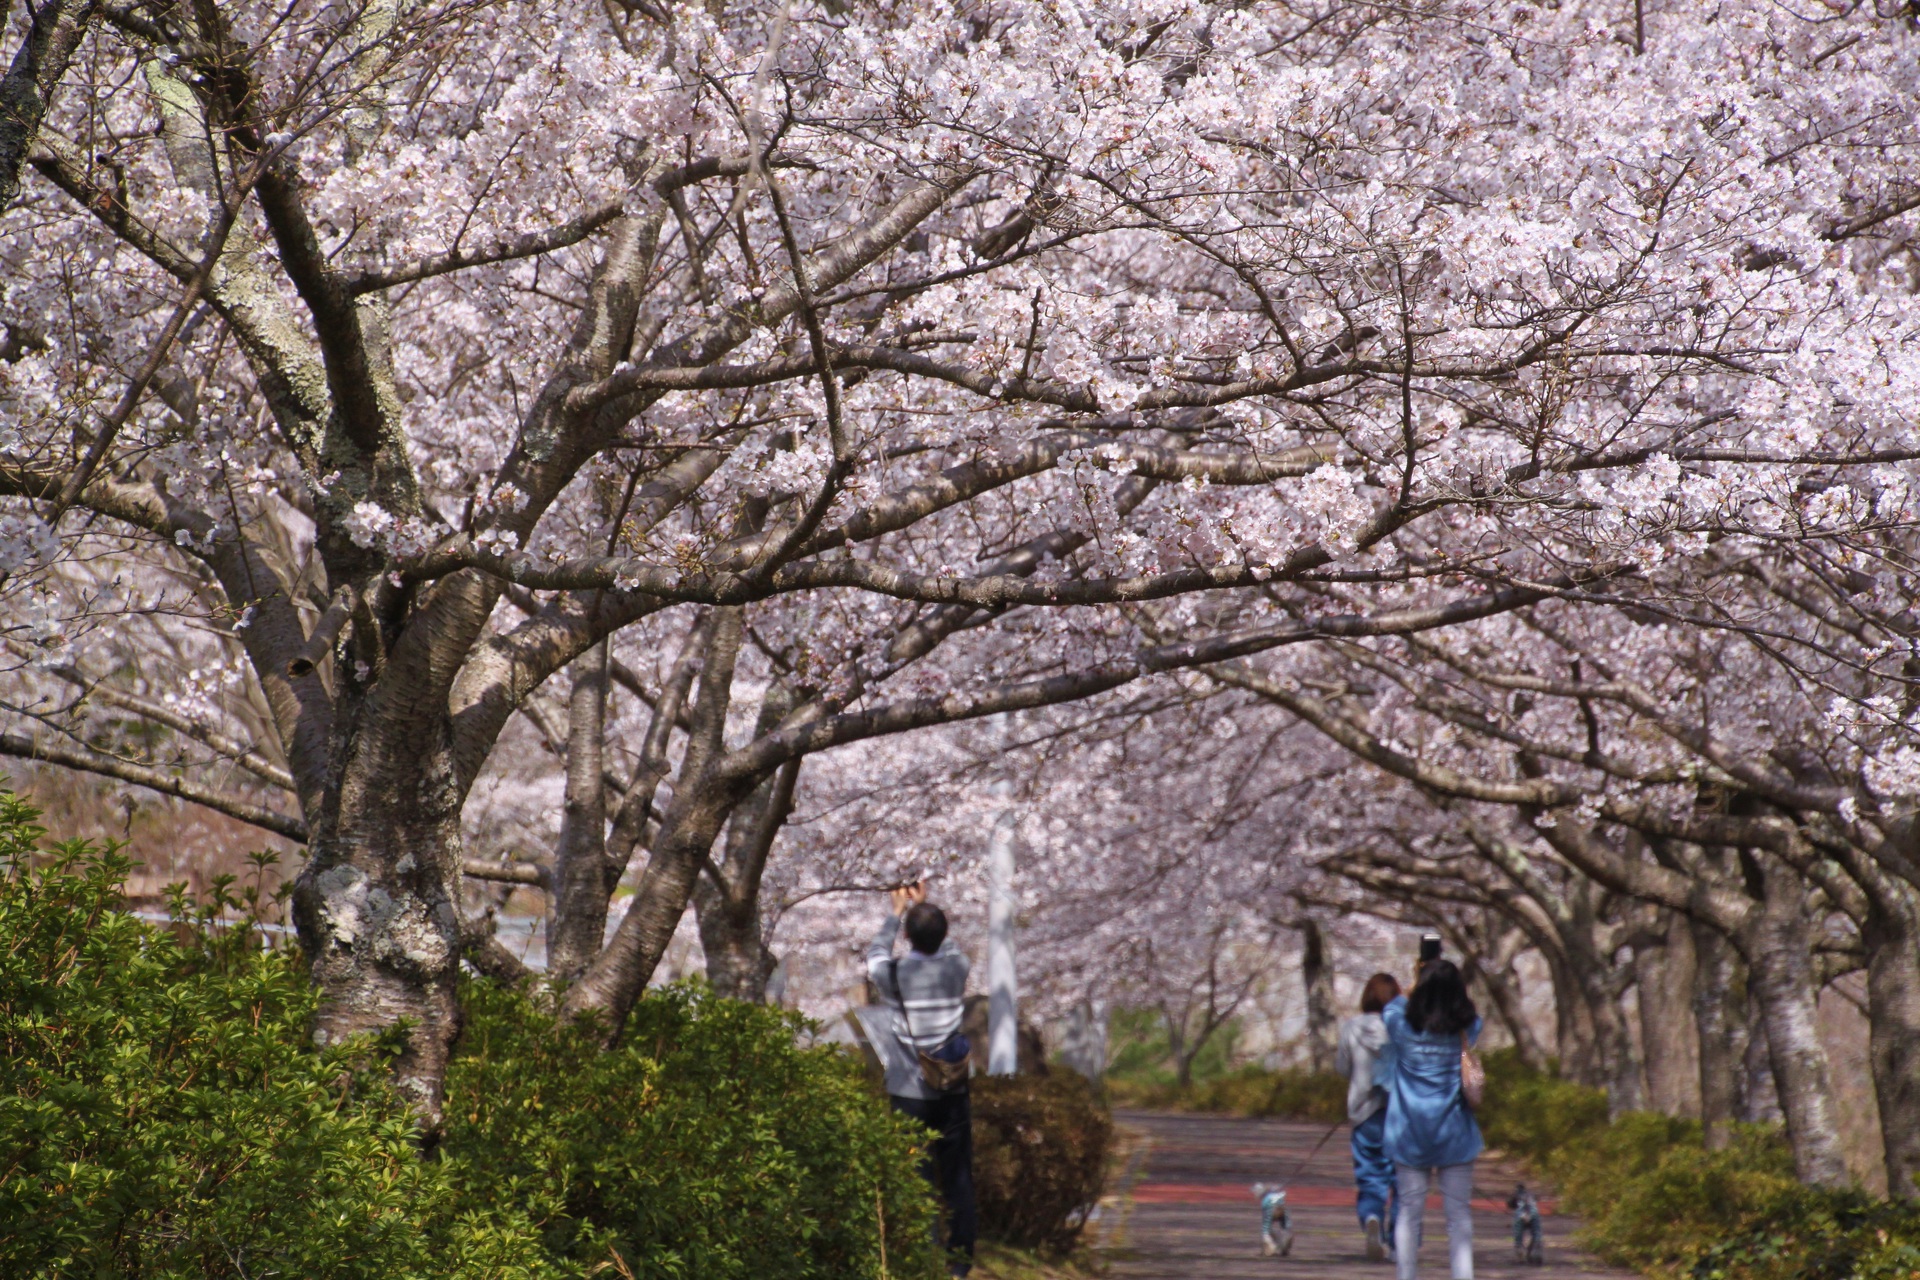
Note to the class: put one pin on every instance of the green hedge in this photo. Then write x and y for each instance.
(707, 1145)
(163, 1113)
(1653, 1198)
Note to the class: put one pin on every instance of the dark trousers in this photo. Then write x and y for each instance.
(949, 1160)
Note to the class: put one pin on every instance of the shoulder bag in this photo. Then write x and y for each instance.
(1473, 1076)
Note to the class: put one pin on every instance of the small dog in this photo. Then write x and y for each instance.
(1527, 1244)
(1276, 1225)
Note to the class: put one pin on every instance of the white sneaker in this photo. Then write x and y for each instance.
(1376, 1248)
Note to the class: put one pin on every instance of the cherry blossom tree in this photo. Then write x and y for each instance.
(413, 354)
(1741, 770)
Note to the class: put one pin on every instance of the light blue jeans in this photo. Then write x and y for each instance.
(1373, 1173)
(1456, 1193)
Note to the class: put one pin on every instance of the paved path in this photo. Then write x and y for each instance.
(1193, 1216)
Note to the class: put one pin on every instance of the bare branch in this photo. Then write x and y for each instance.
(505, 872)
(22, 747)
(530, 244)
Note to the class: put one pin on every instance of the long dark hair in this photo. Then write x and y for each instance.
(1440, 1004)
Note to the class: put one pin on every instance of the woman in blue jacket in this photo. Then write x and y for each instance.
(1429, 1125)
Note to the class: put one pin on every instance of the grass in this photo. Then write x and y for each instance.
(1003, 1262)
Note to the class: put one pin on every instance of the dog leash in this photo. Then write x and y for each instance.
(1301, 1167)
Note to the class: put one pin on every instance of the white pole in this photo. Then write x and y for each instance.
(1003, 990)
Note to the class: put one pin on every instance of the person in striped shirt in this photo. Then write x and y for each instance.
(926, 990)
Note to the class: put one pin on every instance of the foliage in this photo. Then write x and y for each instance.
(163, 1112)
(1039, 1157)
(1536, 1114)
(1292, 1092)
(1142, 1075)
(1138, 1048)
(1143, 1052)
(1655, 1199)
(705, 1144)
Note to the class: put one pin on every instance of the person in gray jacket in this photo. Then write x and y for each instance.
(1363, 1058)
(925, 990)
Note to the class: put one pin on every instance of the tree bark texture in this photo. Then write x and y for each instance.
(1719, 1010)
(1618, 1063)
(577, 905)
(738, 965)
(1782, 980)
(1759, 1095)
(1891, 934)
(1504, 993)
(54, 31)
(700, 808)
(614, 981)
(1316, 974)
(1573, 1027)
(377, 904)
(726, 901)
(732, 929)
(1664, 978)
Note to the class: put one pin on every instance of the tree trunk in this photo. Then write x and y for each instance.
(1573, 1033)
(1183, 1064)
(726, 901)
(1619, 1065)
(1891, 934)
(1317, 976)
(700, 808)
(1085, 1049)
(55, 30)
(1615, 1066)
(1782, 979)
(1670, 1047)
(618, 976)
(1177, 1047)
(577, 905)
(738, 964)
(377, 905)
(1503, 992)
(1719, 1010)
(1759, 1098)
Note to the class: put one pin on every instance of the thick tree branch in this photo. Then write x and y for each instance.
(818, 735)
(54, 30)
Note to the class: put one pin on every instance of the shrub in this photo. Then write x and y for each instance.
(1039, 1157)
(1534, 1114)
(1819, 1235)
(707, 1144)
(1653, 1198)
(163, 1112)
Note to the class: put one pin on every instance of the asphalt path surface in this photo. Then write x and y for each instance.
(1186, 1209)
